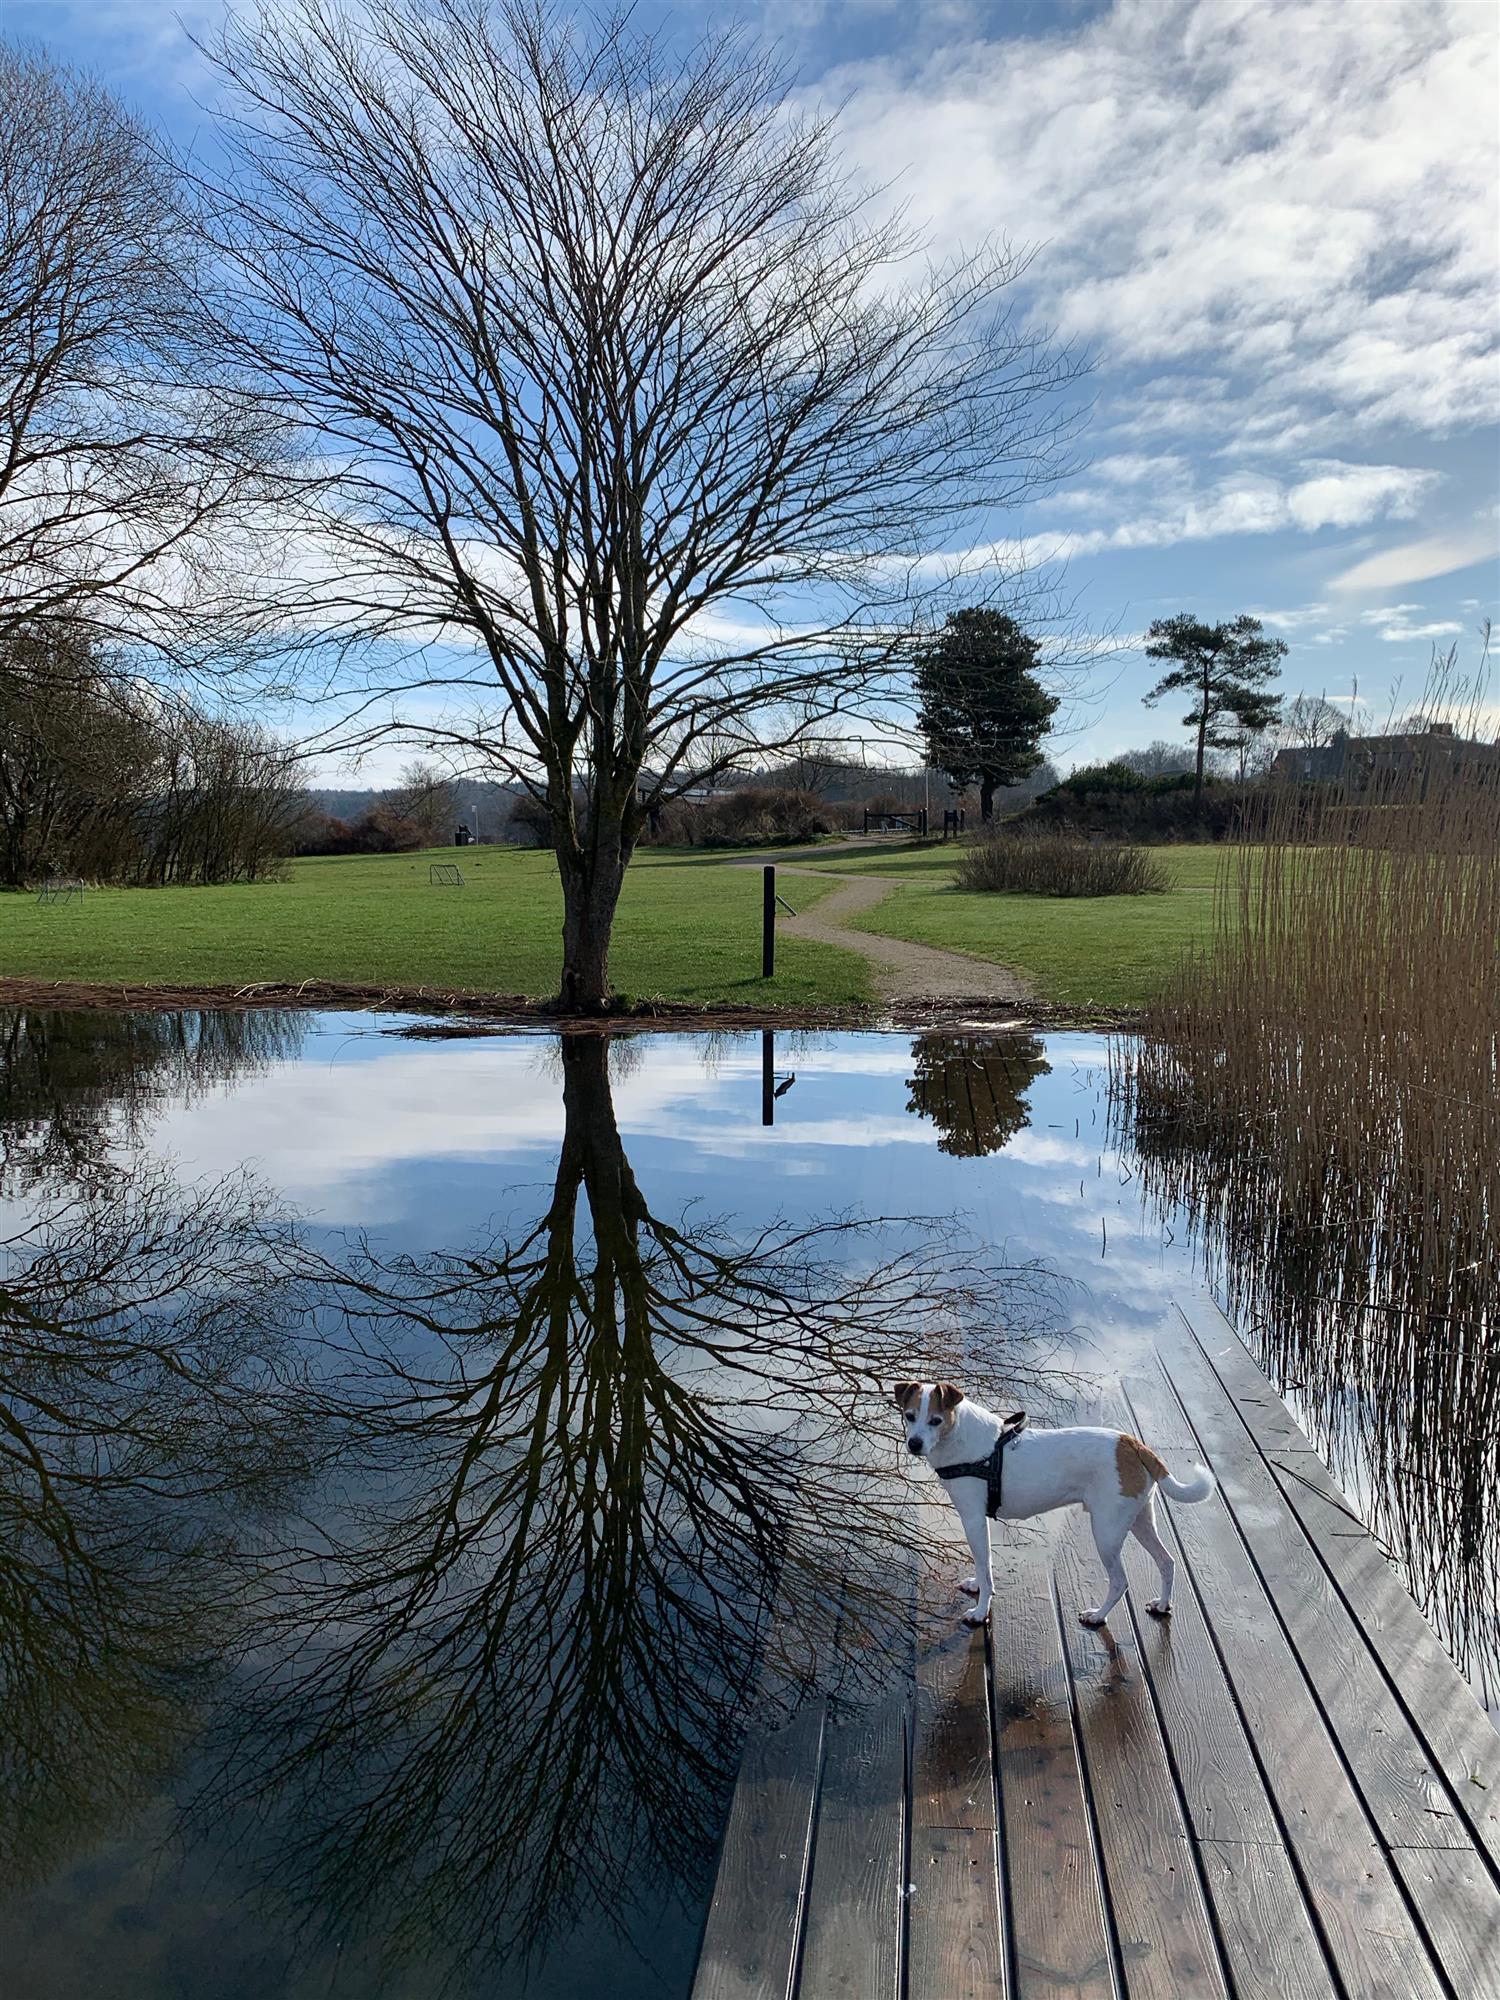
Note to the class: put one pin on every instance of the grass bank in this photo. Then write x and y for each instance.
(1104, 951)
(688, 932)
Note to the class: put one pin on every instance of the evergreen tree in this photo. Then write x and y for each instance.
(1226, 669)
(983, 709)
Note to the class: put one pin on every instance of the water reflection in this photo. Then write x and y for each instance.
(598, 1460)
(592, 1494)
(76, 1085)
(1371, 1304)
(145, 1359)
(974, 1088)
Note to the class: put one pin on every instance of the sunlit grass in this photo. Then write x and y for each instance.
(688, 931)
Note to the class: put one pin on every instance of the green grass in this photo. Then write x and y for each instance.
(936, 859)
(1104, 951)
(688, 931)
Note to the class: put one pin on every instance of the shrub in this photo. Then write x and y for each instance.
(746, 817)
(1113, 800)
(1057, 865)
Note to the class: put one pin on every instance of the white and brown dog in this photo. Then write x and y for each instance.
(994, 1468)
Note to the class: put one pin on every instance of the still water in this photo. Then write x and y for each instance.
(408, 1447)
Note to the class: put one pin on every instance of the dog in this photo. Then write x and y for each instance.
(1008, 1472)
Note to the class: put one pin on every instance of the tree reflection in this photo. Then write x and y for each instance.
(74, 1086)
(618, 1483)
(144, 1423)
(1371, 1301)
(973, 1088)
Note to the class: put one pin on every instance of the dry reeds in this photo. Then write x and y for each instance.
(1320, 1089)
(1056, 864)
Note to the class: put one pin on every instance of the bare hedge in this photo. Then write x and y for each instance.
(1056, 865)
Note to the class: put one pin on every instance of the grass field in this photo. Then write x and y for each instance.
(688, 931)
(1107, 951)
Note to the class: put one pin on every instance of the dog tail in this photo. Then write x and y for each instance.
(1188, 1490)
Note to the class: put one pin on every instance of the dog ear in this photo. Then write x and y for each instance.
(947, 1396)
(903, 1393)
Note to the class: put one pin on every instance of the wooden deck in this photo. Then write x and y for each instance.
(1287, 1792)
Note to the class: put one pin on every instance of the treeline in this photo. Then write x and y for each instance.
(421, 811)
(105, 780)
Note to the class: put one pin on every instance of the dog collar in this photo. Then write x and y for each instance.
(992, 1469)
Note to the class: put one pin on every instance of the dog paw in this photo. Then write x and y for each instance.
(1093, 1619)
(970, 1584)
(1158, 1609)
(976, 1617)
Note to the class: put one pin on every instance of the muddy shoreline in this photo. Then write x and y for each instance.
(462, 1013)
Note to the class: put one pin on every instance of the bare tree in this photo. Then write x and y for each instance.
(126, 448)
(1158, 759)
(645, 414)
(1308, 722)
(107, 779)
(429, 799)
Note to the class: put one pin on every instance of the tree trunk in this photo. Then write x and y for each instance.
(987, 800)
(590, 894)
(591, 880)
(1202, 746)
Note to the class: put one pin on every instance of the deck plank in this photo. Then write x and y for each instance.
(1061, 1939)
(955, 1933)
(755, 1919)
(1372, 1941)
(1428, 1686)
(1162, 1925)
(852, 1933)
(1269, 1938)
(956, 1949)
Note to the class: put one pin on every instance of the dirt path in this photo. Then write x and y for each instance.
(902, 972)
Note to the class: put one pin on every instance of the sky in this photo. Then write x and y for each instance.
(1273, 224)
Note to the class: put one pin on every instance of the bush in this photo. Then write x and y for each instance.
(380, 830)
(1057, 865)
(752, 815)
(1113, 800)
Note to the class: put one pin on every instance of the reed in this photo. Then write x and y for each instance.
(1319, 1088)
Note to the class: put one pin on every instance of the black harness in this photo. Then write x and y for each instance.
(992, 1469)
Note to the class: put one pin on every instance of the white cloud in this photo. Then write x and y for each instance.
(1331, 494)
(1278, 206)
(1396, 625)
(1415, 562)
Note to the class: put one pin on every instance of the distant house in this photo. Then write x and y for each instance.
(1362, 762)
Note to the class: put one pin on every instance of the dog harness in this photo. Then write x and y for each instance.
(992, 1469)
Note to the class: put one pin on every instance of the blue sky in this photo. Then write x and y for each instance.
(1273, 222)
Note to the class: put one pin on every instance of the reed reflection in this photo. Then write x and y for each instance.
(1366, 1283)
(596, 1466)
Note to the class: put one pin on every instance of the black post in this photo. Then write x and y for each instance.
(768, 1076)
(768, 923)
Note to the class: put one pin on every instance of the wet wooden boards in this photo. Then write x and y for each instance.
(1286, 1792)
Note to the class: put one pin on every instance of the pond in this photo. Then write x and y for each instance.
(422, 1458)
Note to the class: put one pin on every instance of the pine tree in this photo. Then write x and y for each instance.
(1226, 668)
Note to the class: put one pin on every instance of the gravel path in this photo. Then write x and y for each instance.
(902, 972)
